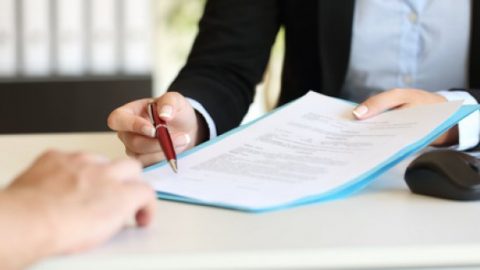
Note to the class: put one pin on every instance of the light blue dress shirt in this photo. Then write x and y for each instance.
(420, 44)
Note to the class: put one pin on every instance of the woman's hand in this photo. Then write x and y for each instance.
(134, 129)
(404, 98)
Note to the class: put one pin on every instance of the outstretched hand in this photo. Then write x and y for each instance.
(137, 133)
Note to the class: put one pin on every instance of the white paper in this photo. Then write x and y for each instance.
(309, 147)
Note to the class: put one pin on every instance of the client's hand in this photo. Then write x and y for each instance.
(77, 201)
(137, 133)
(404, 98)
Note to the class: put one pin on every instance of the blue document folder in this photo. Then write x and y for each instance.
(342, 191)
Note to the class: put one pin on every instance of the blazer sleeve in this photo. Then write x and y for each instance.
(228, 58)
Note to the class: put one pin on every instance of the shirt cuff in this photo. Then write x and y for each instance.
(469, 127)
(212, 129)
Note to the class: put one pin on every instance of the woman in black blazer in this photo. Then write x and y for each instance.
(229, 57)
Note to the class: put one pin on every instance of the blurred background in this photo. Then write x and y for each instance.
(66, 64)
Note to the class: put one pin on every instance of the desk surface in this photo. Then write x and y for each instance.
(382, 226)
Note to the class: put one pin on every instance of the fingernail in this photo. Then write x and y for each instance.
(360, 110)
(148, 131)
(166, 111)
(182, 140)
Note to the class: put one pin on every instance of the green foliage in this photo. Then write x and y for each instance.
(183, 15)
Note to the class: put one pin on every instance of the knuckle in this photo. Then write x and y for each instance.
(50, 157)
(108, 172)
(81, 157)
(120, 136)
(83, 177)
(50, 153)
(130, 153)
(136, 143)
(138, 125)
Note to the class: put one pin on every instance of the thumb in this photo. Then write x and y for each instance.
(128, 118)
(379, 103)
(174, 108)
(169, 105)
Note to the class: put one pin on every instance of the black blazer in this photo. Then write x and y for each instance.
(233, 46)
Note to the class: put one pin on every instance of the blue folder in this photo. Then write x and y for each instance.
(340, 192)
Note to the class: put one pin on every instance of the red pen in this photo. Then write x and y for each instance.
(163, 136)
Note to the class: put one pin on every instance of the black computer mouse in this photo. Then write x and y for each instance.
(445, 174)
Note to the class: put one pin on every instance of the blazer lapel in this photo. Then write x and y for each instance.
(335, 26)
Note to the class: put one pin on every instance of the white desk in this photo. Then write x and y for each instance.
(384, 226)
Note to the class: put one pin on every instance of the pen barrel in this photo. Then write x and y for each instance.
(165, 140)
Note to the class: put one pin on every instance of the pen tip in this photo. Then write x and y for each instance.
(173, 164)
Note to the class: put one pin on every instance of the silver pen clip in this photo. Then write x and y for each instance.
(150, 113)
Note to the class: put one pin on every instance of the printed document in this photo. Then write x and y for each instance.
(309, 147)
